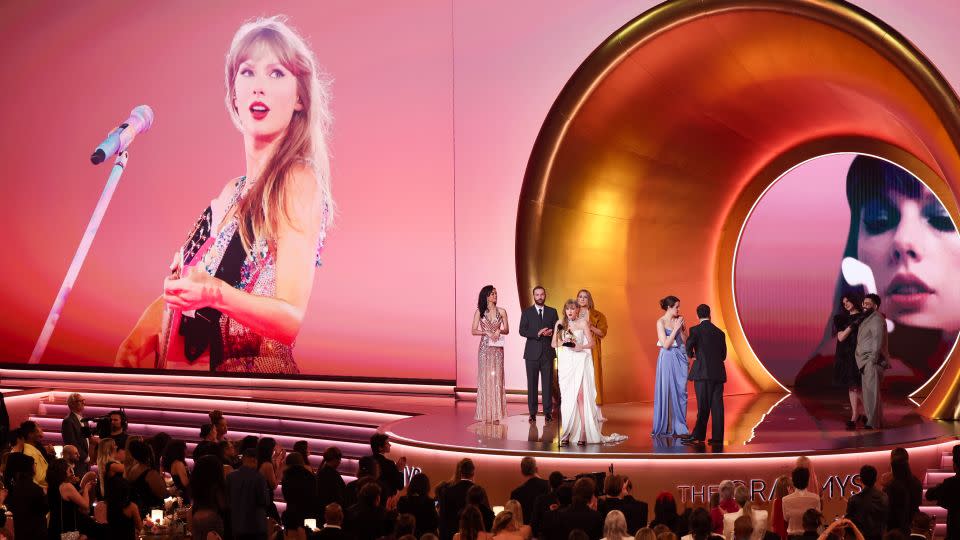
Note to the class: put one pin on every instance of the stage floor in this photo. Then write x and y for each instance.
(756, 424)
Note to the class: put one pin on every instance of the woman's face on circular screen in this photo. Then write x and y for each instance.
(913, 248)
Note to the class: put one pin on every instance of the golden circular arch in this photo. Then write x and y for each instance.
(653, 154)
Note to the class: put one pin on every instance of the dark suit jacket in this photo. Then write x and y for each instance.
(366, 523)
(633, 510)
(72, 433)
(573, 517)
(540, 509)
(709, 345)
(868, 511)
(423, 508)
(530, 325)
(527, 495)
(299, 488)
(390, 476)
(947, 495)
(330, 489)
(330, 533)
(452, 500)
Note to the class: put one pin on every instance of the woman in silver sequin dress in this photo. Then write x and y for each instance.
(490, 323)
(240, 285)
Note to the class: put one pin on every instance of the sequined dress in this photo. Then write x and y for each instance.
(491, 396)
(214, 337)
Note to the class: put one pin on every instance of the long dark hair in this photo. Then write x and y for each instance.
(207, 484)
(176, 450)
(471, 523)
(265, 447)
(482, 299)
(57, 473)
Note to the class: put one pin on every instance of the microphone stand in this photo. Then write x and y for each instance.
(118, 166)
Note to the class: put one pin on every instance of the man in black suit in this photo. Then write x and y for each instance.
(947, 495)
(368, 520)
(581, 514)
(453, 499)
(530, 489)
(708, 345)
(536, 324)
(75, 432)
(391, 475)
(332, 524)
(616, 488)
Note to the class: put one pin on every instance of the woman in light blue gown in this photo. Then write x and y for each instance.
(670, 392)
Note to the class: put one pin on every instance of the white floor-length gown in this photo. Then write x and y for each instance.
(578, 394)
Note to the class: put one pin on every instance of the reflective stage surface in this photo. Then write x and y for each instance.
(756, 424)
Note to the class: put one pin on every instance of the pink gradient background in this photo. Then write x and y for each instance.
(437, 105)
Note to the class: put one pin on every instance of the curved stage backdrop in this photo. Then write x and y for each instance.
(571, 145)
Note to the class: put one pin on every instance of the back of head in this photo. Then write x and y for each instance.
(895, 534)
(742, 528)
(669, 535)
(800, 477)
(140, 451)
(615, 526)
(578, 534)
(467, 469)
(703, 311)
(528, 466)
(665, 506)
(613, 485)
(922, 524)
(333, 514)
(555, 479)
(503, 521)
(205, 431)
(660, 529)
(265, 448)
(377, 442)
(646, 533)
(366, 466)
(513, 506)
(868, 475)
(700, 524)
(57, 473)
(332, 455)
(406, 524)
(207, 482)
(294, 459)
(370, 494)
(471, 523)
(742, 495)
(419, 485)
(565, 494)
(476, 495)
(726, 490)
(583, 490)
(811, 519)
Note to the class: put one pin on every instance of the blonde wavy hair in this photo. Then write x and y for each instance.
(305, 141)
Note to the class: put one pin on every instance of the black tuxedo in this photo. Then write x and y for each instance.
(538, 355)
(575, 516)
(708, 344)
(452, 500)
(390, 476)
(72, 432)
(527, 495)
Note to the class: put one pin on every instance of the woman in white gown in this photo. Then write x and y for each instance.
(578, 413)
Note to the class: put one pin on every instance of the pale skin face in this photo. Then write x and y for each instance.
(583, 300)
(913, 249)
(265, 95)
(539, 297)
(847, 304)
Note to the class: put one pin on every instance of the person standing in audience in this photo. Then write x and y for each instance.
(532, 487)
(536, 325)
(270, 463)
(147, 488)
(208, 491)
(420, 505)
(330, 485)
(69, 506)
(332, 523)
(174, 463)
(302, 447)
(782, 487)
(726, 505)
(869, 509)
(701, 524)
(477, 496)
(208, 440)
(158, 443)
(33, 447)
(248, 498)
(470, 525)
(904, 491)
(947, 495)
(75, 432)
(72, 456)
(491, 324)
(544, 502)
(453, 498)
(581, 514)
(107, 465)
(743, 529)
(227, 453)
(367, 471)
(118, 430)
(368, 520)
(299, 489)
(219, 423)
(617, 498)
(798, 502)
(665, 513)
(123, 514)
(812, 520)
(391, 474)
(25, 499)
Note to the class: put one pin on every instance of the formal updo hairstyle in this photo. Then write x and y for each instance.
(668, 302)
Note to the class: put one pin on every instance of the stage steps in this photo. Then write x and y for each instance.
(322, 425)
(931, 479)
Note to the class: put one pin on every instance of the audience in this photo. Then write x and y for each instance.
(947, 495)
(636, 511)
(581, 514)
(532, 487)
(868, 509)
(299, 488)
(391, 474)
(701, 524)
(174, 463)
(811, 521)
(665, 515)
(248, 498)
(118, 429)
(69, 507)
(33, 447)
(332, 523)
(107, 465)
(418, 503)
(367, 519)
(147, 488)
(452, 498)
(798, 502)
(904, 492)
(219, 423)
(742, 526)
(303, 448)
(158, 443)
(75, 431)
(726, 505)
(545, 502)
(922, 527)
(208, 441)
(615, 526)
(646, 533)
(615, 488)
(782, 487)
(270, 463)
(757, 517)
(477, 496)
(208, 491)
(470, 525)
(367, 471)
(330, 485)
(25, 498)
(124, 516)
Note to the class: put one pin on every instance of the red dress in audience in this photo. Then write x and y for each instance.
(777, 523)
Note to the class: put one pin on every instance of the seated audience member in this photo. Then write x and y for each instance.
(922, 526)
(477, 496)
(635, 511)
(665, 514)
(581, 514)
(514, 528)
(367, 471)
(812, 519)
(174, 462)
(471, 525)
(700, 525)
(615, 526)
(367, 519)
(332, 523)
(123, 515)
(904, 492)
(742, 528)
(646, 533)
